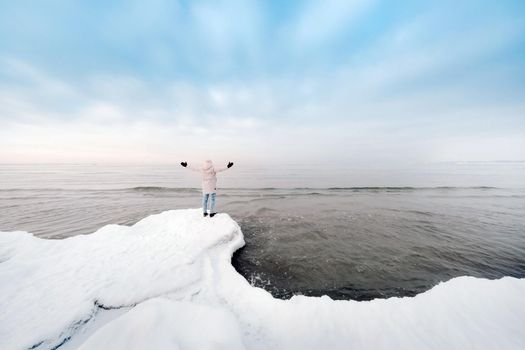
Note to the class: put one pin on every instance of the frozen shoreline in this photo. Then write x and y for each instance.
(171, 278)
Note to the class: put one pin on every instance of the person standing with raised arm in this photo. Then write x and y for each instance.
(209, 183)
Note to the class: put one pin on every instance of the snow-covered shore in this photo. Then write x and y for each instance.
(167, 282)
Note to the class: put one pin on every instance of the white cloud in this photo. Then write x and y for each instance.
(480, 148)
(319, 21)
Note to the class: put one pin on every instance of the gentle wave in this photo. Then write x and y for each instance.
(194, 189)
(162, 189)
(410, 188)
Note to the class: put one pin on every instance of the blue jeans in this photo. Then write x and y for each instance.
(205, 202)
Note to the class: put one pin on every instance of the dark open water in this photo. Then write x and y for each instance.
(348, 233)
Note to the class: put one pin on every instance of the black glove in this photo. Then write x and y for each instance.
(230, 164)
(184, 164)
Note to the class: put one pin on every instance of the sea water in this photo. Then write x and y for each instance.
(347, 232)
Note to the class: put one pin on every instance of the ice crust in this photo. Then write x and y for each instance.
(171, 277)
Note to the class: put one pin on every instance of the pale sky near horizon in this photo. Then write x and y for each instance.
(343, 82)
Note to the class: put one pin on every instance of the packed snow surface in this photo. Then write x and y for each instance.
(167, 283)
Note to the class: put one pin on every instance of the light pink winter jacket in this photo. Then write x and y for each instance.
(209, 178)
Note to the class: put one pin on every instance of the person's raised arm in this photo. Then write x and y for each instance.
(219, 169)
(190, 166)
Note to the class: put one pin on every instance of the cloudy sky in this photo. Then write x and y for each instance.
(354, 82)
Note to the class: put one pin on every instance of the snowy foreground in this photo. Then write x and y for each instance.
(167, 283)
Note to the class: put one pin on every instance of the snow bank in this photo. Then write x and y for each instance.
(163, 324)
(171, 278)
